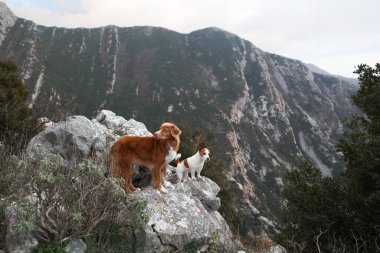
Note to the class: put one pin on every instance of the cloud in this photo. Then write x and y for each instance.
(323, 32)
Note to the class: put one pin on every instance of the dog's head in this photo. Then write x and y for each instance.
(205, 154)
(167, 131)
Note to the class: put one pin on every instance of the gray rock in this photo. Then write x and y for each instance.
(72, 139)
(76, 246)
(78, 137)
(205, 191)
(183, 215)
(277, 249)
(121, 126)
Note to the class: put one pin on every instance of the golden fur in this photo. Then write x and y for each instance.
(149, 151)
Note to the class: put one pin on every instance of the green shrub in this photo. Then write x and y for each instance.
(70, 202)
(2, 226)
(50, 247)
(17, 125)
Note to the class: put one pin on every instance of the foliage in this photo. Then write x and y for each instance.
(69, 201)
(50, 247)
(17, 124)
(2, 226)
(191, 142)
(191, 247)
(342, 214)
(360, 146)
(313, 206)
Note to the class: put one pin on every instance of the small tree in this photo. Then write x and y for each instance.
(58, 203)
(312, 210)
(360, 146)
(340, 215)
(17, 124)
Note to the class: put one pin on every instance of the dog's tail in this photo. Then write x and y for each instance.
(176, 159)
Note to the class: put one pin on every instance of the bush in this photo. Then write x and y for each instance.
(59, 203)
(2, 226)
(50, 247)
(17, 125)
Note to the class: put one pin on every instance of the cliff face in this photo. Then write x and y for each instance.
(265, 111)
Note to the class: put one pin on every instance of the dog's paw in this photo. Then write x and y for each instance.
(164, 190)
(166, 183)
(137, 189)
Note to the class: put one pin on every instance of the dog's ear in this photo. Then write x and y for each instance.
(201, 150)
(175, 131)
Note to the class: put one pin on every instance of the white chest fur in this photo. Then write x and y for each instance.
(171, 155)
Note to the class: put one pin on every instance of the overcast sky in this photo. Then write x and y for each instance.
(335, 35)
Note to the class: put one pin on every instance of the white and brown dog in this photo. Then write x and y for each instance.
(192, 164)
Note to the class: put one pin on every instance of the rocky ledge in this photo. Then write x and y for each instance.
(186, 214)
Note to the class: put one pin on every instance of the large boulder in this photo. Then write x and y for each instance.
(186, 215)
(78, 137)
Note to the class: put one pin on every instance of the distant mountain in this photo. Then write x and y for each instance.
(316, 69)
(265, 111)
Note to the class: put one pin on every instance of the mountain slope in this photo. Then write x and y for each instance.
(265, 111)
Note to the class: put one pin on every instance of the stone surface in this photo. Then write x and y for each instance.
(184, 215)
(76, 246)
(78, 137)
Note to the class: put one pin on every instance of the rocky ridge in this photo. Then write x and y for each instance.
(187, 213)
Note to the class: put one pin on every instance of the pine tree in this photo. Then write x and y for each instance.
(360, 146)
(16, 121)
(342, 214)
(312, 211)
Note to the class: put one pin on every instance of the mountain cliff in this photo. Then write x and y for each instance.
(264, 110)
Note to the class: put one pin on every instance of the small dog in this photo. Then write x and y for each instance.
(153, 152)
(192, 164)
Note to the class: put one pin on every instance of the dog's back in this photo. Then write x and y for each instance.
(144, 150)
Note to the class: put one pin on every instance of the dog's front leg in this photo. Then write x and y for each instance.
(157, 176)
(192, 172)
(199, 174)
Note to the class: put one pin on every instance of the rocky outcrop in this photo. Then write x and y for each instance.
(78, 137)
(7, 20)
(187, 214)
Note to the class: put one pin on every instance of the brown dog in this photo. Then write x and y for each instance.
(153, 152)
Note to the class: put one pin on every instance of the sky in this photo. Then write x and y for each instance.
(335, 35)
